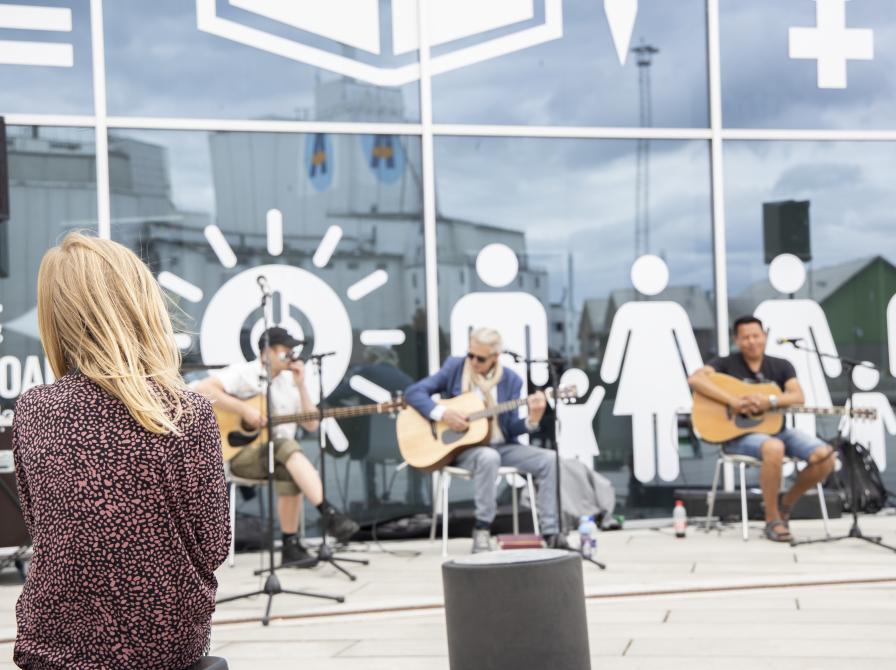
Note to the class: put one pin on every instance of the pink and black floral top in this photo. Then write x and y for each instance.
(127, 526)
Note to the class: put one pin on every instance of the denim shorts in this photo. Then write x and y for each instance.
(797, 444)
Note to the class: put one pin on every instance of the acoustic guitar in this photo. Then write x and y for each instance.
(429, 445)
(716, 422)
(235, 435)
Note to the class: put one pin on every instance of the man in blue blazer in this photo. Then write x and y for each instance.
(482, 372)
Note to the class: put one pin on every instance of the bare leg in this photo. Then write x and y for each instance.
(305, 477)
(288, 510)
(820, 466)
(770, 476)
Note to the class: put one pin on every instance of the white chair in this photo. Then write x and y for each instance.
(744, 462)
(232, 482)
(442, 483)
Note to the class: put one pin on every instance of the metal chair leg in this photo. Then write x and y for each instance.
(531, 484)
(436, 503)
(711, 502)
(743, 500)
(823, 504)
(446, 483)
(511, 480)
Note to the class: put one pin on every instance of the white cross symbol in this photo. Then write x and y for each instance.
(832, 43)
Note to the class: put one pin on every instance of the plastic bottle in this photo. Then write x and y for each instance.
(593, 529)
(585, 536)
(680, 519)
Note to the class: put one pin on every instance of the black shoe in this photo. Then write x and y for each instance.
(339, 525)
(556, 541)
(294, 552)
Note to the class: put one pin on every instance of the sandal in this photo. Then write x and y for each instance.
(776, 535)
(785, 511)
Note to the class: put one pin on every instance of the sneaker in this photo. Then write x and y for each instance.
(294, 552)
(482, 540)
(340, 526)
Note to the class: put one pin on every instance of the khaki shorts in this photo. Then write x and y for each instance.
(252, 463)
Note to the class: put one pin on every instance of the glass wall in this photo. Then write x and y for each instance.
(248, 136)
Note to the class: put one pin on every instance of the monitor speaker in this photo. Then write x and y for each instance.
(786, 229)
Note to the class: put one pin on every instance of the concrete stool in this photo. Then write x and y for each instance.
(516, 609)
(209, 663)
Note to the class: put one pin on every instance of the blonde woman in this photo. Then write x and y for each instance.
(119, 473)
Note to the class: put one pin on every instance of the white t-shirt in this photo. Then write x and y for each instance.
(245, 380)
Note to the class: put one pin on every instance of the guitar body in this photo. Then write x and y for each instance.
(235, 436)
(428, 446)
(715, 422)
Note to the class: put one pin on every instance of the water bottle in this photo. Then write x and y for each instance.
(680, 519)
(593, 528)
(585, 536)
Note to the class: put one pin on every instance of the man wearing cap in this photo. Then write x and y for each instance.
(230, 388)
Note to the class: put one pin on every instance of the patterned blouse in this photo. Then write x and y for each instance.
(127, 526)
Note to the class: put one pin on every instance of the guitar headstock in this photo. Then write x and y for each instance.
(565, 394)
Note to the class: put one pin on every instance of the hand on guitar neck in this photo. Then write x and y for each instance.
(536, 402)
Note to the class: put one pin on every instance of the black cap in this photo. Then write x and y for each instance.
(276, 336)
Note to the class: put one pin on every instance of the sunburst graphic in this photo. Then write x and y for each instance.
(232, 322)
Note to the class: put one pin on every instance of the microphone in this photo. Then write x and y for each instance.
(789, 340)
(292, 355)
(263, 285)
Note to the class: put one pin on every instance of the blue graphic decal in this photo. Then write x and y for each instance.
(384, 156)
(319, 161)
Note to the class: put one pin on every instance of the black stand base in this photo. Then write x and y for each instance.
(325, 554)
(855, 533)
(271, 588)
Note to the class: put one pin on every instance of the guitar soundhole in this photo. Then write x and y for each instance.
(744, 421)
(451, 436)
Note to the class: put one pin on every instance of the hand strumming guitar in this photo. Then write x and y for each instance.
(455, 420)
(252, 417)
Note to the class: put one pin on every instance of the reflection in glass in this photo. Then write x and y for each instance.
(334, 222)
(566, 208)
(52, 184)
(588, 74)
(46, 66)
(184, 69)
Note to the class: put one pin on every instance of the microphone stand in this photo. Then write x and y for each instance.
(554, 378)
(851, 457)
(325, 553)
(272, 582)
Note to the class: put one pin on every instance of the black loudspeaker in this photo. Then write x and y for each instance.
(4, 203)
(785, 227)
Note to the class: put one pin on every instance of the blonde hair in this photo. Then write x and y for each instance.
(487, 336)
(101, 312)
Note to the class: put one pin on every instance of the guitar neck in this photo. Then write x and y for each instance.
(820, 411)
(500, 408)
(332, 412)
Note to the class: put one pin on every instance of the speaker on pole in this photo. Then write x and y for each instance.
(785, 227)
(4, 203)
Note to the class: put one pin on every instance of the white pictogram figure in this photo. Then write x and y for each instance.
(891, 333)
(870, 433)
(621, 15)
(516, 315)
(805, 320)
(307, 293)
(449, 21)
(651, 351)
(831, 43)
(575, 437)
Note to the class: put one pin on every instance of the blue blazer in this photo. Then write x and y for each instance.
(447, 383)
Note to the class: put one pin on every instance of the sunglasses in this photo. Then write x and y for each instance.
(478, 358)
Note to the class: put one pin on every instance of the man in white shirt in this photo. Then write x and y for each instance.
(481, 371)
(231, 388)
